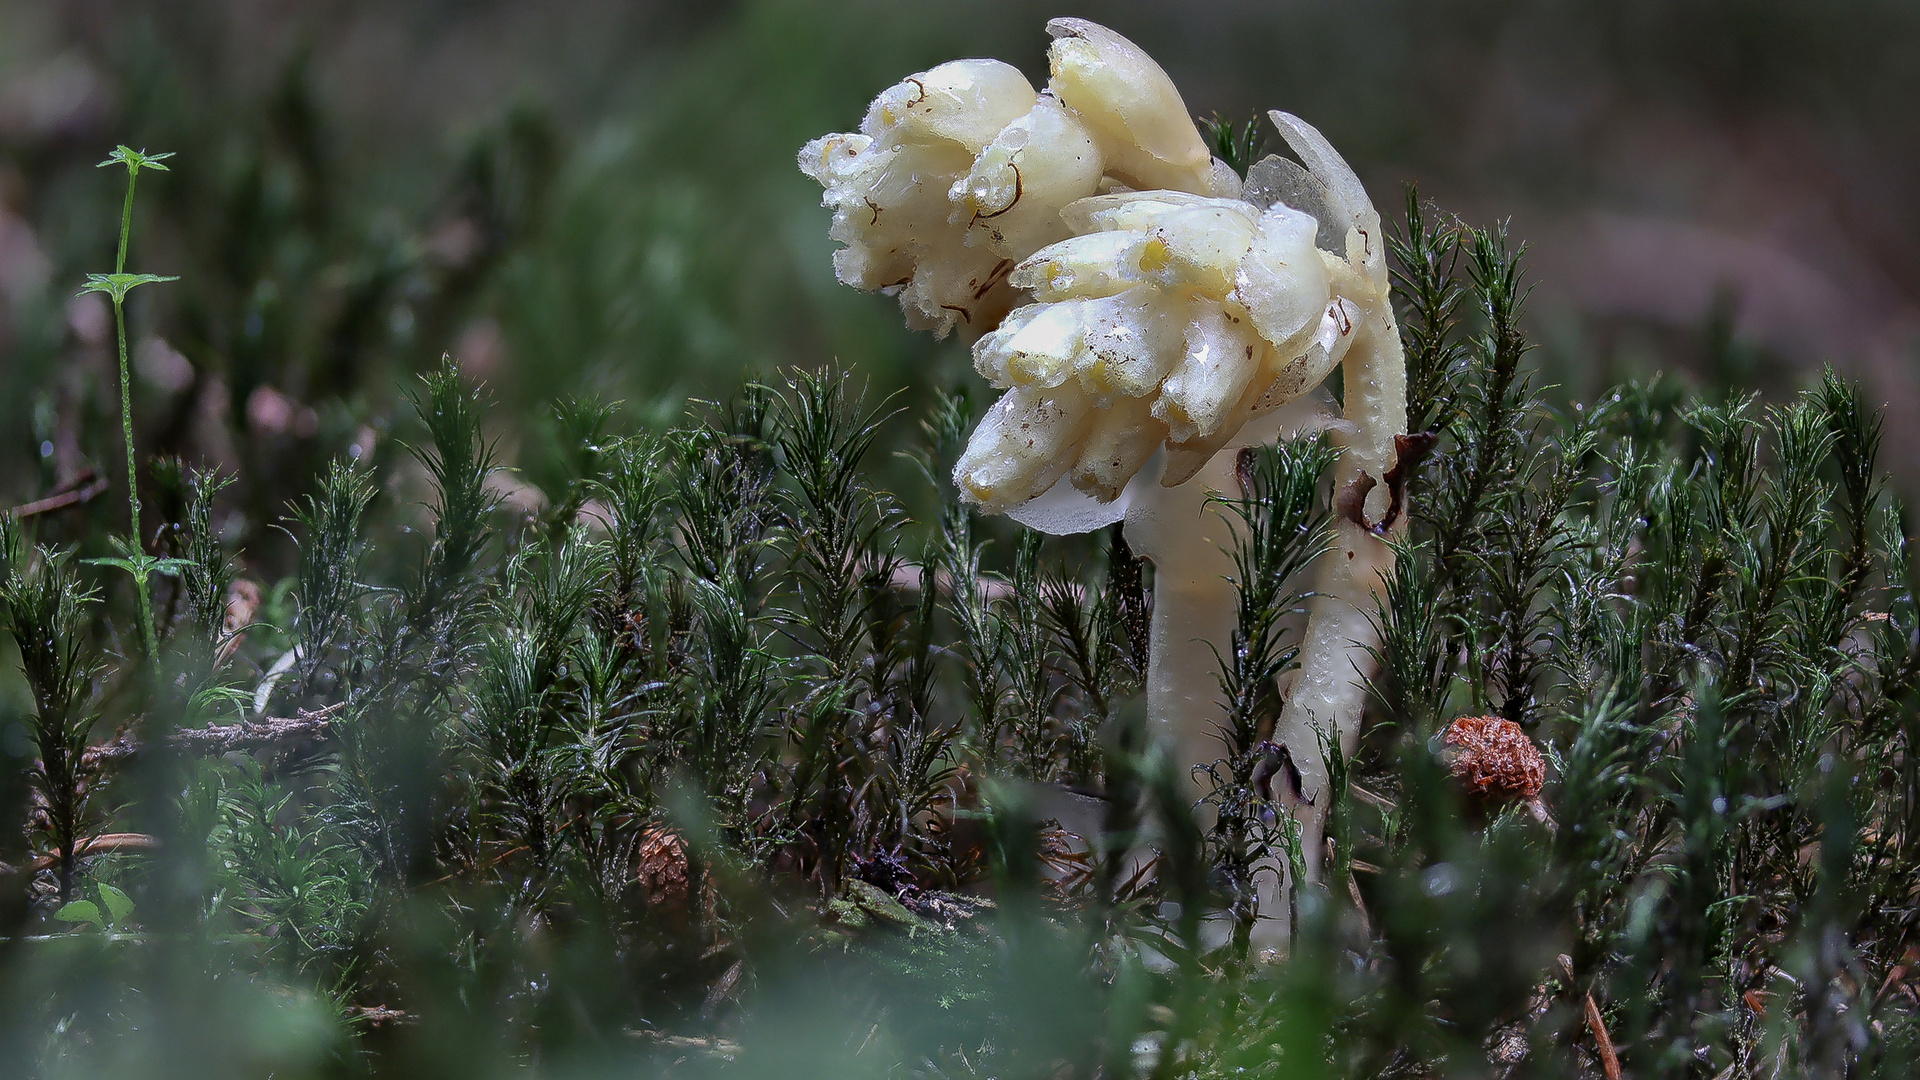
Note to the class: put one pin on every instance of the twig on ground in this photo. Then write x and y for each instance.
(251, 734)
(1609, 1061)
(87, 486)
(376, 1015)
(97, 845)
(308, 724)
(712, 1046)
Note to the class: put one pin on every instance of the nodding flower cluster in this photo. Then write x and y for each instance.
(959, 173)
(1172, 302)
(1168, 318)
(1172, 305)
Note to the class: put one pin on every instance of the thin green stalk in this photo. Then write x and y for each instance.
(126, 230)
(116, 285)
(147, 636)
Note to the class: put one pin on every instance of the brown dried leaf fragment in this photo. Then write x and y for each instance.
(1602, 1041)
(1275, 760)
(97, 845)
(1408, 452)
(1351, 503)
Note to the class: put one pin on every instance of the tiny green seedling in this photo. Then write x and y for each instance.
(133, 557)
(108, 908)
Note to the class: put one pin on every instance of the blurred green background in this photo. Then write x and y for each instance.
(600, 197)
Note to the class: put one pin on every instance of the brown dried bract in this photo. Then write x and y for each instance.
(1494, 758)
(1275, 761)
(1351, 502)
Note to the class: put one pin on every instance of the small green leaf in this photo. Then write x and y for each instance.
(135, 160)
(118, 285)
(139, 563)
(119, 904)
(80, 911)
(124, 564)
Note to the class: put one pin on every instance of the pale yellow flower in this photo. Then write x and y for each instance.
(960, 172)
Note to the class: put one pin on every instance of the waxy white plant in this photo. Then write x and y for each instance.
(960, 172)
(1177, 313)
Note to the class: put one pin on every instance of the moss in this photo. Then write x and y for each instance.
(856, 726)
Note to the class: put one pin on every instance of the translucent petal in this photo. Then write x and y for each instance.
(1011, 197)
(830, 158)
(1347, 197)
(1118, 442)
(1281, 282)
(1198, 247)
(1131, 340)
(1141, 210)
(1224, 183)
(1285, 376)
(1024, 443)
(1311, 412)
(956, 286)
(1096, 264)
(1307, 369)
(1145, 129)
(1034, 347)
(1222, 356)
(1064, 510)
(961, 101)
(1274, 179)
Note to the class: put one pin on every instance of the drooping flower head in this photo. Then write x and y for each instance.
(960, 172)
(1169, 303)
(1170, 319)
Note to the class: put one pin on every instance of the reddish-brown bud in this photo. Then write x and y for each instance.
(1494, 758)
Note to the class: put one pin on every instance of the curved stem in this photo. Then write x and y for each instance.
(1190, 543)
(1329, 693)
